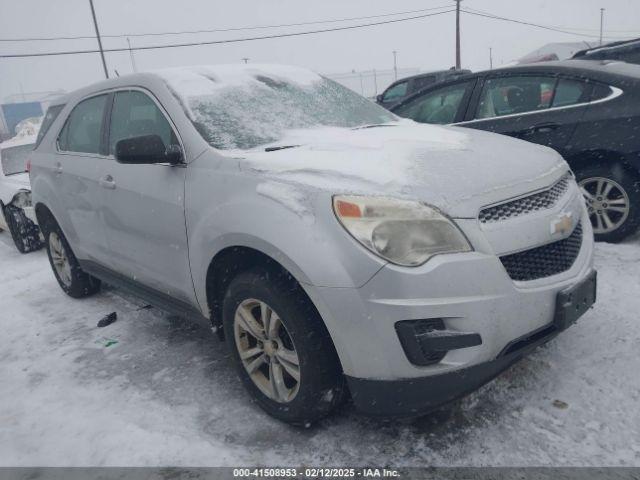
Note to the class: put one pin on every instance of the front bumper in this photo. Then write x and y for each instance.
(409, 397)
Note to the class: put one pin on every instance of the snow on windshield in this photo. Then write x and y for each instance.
(237, 107)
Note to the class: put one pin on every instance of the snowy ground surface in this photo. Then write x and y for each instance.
(166, 393)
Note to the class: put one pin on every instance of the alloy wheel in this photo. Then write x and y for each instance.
(266, 350)
(59, 258)
(607, 203)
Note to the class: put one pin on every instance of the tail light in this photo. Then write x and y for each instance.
(29, 165)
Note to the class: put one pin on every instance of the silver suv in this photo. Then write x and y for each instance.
(336, 247)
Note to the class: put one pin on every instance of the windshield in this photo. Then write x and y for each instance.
(262, 108)
(14, 159)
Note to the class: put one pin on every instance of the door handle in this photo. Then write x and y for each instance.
(57, 168)
(544, 127)
(107, 182)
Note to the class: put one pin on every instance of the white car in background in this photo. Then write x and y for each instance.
(17, 215)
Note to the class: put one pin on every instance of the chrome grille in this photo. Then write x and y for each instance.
(544, 261)
(522, 206)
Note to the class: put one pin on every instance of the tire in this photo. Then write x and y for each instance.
(25, 233)
(613, 200)
(72, 279)
(300, 330)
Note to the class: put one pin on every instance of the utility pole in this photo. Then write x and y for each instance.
(133, 62)
(490, 58)
(95, 24)
(601, 23)
(245, 59)
(458, 34)
(375, 81)
(395, 66)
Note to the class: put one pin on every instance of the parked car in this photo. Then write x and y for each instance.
(588, 111)
(405, 87)
(334, 245)
(624, 51)
(16, 211)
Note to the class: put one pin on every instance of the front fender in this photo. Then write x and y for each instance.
(231, 208)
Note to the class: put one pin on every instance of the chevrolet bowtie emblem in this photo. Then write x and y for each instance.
(562, 224)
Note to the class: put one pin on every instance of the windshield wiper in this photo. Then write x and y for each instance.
(375, 125)
(279, 147)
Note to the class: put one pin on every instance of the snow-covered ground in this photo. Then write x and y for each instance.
(166, 393)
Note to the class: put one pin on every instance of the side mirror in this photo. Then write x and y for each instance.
(379, 98)
(147, 149)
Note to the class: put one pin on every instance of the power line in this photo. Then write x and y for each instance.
(522, 22)
(214, 42)
(563, 28)
(231, 29)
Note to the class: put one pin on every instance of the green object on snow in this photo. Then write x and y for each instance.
(106, 342)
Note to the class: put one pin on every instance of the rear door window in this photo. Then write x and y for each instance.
(82, 132)
(515, 94)
(569, 92)
(135, 114)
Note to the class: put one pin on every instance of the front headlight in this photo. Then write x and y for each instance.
(403, 232)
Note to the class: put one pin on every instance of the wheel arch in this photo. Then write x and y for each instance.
(232, 260)
(602, 157)
(44, 216)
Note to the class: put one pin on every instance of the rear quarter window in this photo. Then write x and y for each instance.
(600, 91)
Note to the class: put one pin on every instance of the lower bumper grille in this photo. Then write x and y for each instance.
(426, 342)
(544, 261)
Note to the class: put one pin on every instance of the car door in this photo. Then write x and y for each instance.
(540, 108)
(79, 164)
(442, 105)
(144, 204)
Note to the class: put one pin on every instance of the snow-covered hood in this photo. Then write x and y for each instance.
(456, 169)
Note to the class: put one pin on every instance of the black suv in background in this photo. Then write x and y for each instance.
(626, 51)
(403, 88)
(589, 111)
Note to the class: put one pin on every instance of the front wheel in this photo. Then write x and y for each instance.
(72, 279)
(613, 201)
(282, 350)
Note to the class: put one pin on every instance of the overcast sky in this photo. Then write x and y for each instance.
(427, 43)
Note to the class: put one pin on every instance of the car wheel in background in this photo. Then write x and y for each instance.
(72, 279)
(25, 233)
(612, 196)
(282, 350)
